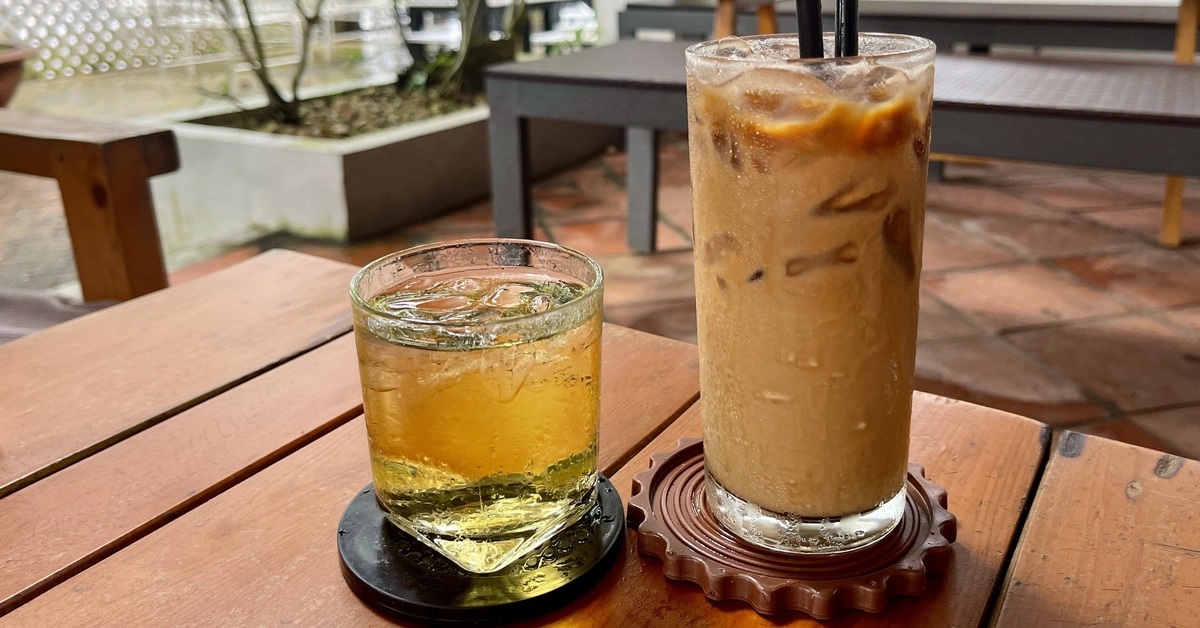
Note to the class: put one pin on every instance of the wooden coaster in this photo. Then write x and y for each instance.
(669, 511)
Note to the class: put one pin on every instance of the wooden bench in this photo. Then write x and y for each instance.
(103, 171)
(1128, 116)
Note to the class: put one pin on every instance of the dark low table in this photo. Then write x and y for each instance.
(1133, 27)
(1125, 116)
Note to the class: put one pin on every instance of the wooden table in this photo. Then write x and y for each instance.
(183, 459)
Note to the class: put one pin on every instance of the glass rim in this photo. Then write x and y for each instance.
(595, 286)
(920, 46)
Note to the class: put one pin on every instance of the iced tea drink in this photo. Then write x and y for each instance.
(808, 181)
(480, 366)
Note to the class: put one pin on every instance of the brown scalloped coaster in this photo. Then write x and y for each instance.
(673, 521)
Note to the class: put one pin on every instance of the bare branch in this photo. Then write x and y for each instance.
(255, 37)
(204, 91)
(467, 10)
(310, 23)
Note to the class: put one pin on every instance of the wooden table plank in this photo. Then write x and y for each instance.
(986, 459)
(1112, 540)
(263, 551)
(61, 525)
(76, 388)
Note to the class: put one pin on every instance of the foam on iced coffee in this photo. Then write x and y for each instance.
(808, 194)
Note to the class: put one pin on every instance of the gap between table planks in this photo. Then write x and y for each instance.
(645, 383)
(1112, 540)
(76, 388)
(987, 460)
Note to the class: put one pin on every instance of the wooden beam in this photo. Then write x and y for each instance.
(767, 22)
(724, 19)
(1185, 53)
(103, 170)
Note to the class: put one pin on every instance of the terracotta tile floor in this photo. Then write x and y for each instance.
(1044, 292)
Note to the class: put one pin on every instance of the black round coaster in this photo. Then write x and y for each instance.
(397, 574)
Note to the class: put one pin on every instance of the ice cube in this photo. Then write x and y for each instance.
(733, 47)
(719, 246)
(777, 49)
(897, 239)
(440, 304)
(503, 297)
(876, 83)
(781, 94)
(464, 285)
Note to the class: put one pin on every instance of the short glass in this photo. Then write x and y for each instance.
(480, 364)
(808, 180)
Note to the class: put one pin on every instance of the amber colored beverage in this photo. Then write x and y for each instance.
(481, 396)
(808, 191)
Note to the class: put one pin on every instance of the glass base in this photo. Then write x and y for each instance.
(483, 555)
(802, 535)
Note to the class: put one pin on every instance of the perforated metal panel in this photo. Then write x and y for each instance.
(88, 36)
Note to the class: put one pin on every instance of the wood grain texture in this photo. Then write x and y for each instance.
(1112, 540)
(263, 552)
(111, 221)
(76, 388)
(646, 382)
(986, 459)
(72, 519)
(33, 141)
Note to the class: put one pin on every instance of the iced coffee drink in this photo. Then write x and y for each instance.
(808, 183)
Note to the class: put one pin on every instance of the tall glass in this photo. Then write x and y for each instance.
(808, 180)
(480, 365)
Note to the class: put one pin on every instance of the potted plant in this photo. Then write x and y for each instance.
(12, 68)
(354, 164)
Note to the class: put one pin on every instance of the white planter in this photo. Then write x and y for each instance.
(236, 185)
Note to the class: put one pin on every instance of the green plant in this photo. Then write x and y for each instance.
(253, 50)
(460, 73)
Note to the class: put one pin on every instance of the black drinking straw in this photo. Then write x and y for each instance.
(845, 29)
(808, 18)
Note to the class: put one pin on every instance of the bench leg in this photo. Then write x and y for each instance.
(508, 148)
(641, 147)
(110, 218)
(1172, 224)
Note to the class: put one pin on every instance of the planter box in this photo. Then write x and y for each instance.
(236, 185)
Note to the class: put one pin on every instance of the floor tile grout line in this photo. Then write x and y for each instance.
(1134, 306)
(1135, 309)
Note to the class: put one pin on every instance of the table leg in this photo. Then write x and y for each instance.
(508, 148)
(937, 171)
(641, 147)
(724, 19)
(1185, 52)
(767, 22)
